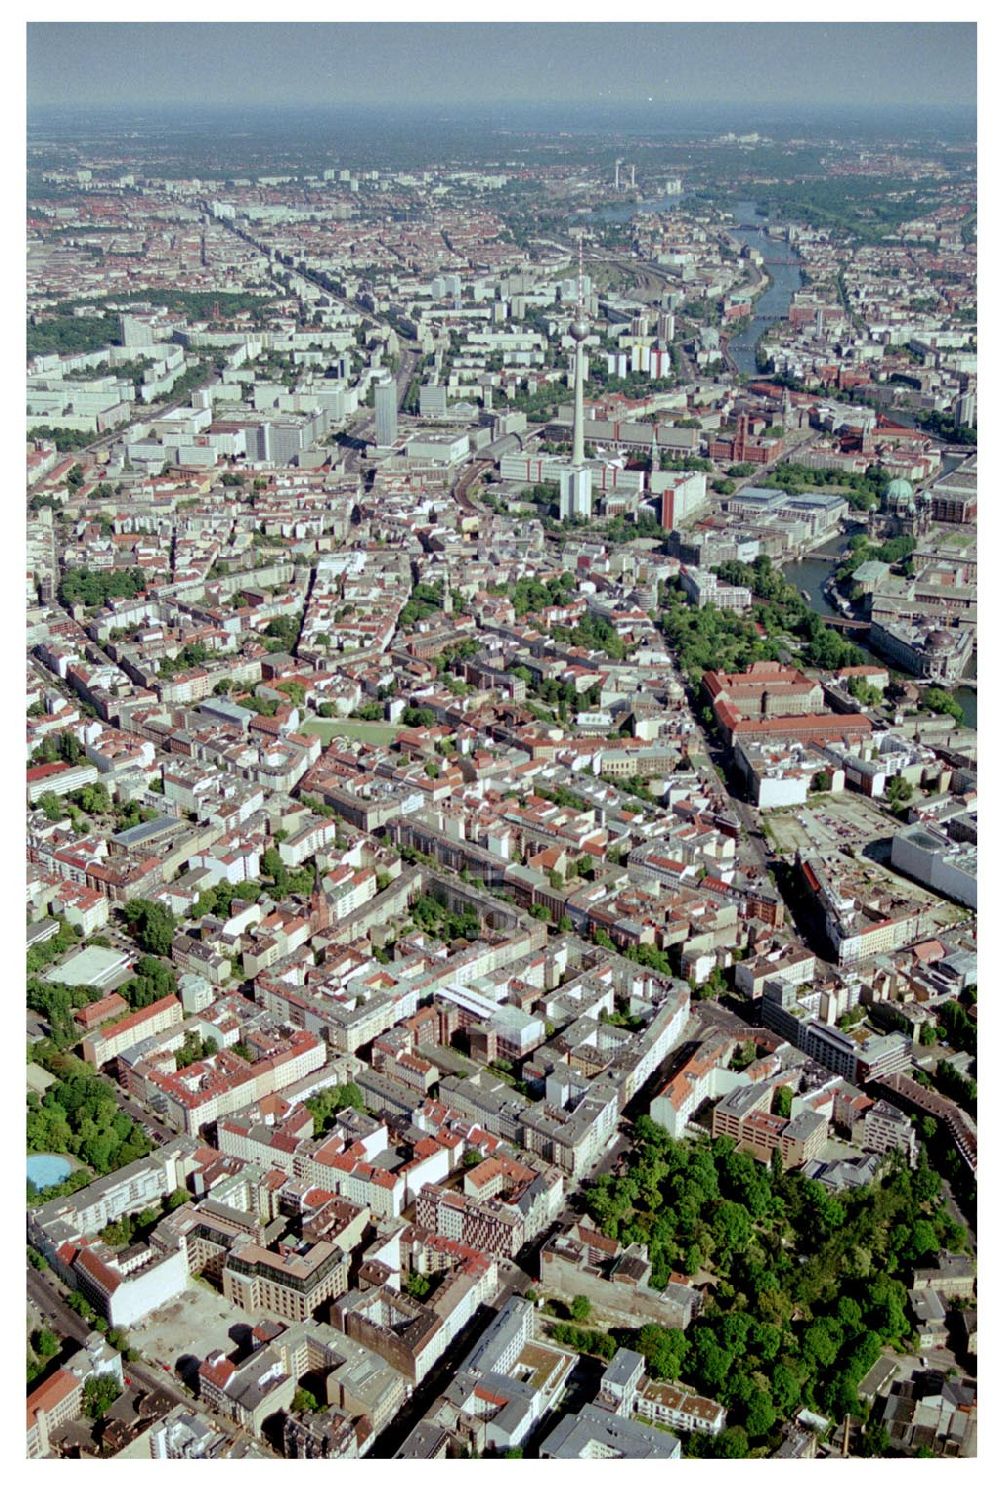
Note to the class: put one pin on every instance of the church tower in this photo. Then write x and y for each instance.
(319, 906)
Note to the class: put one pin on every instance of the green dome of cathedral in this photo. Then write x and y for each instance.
(899, 489)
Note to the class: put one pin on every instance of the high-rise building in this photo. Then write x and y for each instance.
(386, 403)
(433, 400)
(964, 409)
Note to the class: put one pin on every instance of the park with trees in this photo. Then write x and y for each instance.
(81, 1116)
(802, 1290)
(92, 589)
(721, 640)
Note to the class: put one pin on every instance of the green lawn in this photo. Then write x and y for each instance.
(370, 732)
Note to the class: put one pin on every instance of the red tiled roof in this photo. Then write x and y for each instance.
(49, 1394)
(217, 1372)
(105, 1276)
(54, 768)
(135, 1018)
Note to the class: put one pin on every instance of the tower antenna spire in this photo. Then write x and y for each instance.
(579, 274)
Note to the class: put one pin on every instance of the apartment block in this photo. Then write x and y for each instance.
(288, 1282)
(110, 1041)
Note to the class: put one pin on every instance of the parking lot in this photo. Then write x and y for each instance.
(831, 824)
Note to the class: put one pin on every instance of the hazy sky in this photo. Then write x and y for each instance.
(309, 64)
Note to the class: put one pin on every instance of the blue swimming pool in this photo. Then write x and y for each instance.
(48, 1171)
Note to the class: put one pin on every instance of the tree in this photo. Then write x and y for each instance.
(706, 1364)
(195, 1048)
(92, 799)
(80, 1114)
(875, 1441)
(51, 806)
(866, 693)
(418, 718)
(78, 1303)
(960, 1031)
(151, 981)
(732, 1443)
(92, 589)
(765, 1341)
(849, 1314)
(99, 1393)
(732, 1227)
(45, 1344)
(937, 701)
(783, 1102)
(579, 1309)
(786, 1390)
(821, 1342)
(152, 925)
(760, 1415)
(898, 790)
(327, 1103)
(304, 1401)
(842, 1397)
(664, 1350)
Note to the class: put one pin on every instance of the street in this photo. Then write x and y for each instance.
(65, 1322)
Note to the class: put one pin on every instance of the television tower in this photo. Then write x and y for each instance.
(579, 330)
(575, 487)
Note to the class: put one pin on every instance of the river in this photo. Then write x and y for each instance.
(784, 278)
(783, 267)
(621, 213)
(773, 303)
(810, 574)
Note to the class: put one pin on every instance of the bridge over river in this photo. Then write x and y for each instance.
(845, 622)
